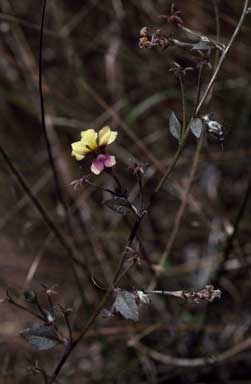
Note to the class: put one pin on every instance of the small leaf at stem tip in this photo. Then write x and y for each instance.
(119, 205)
(174, 126)
(143, 297)
(40, 336)
(196, 127)
(126, 305)
(201, 46)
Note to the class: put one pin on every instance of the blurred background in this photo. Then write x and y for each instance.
(95, 74)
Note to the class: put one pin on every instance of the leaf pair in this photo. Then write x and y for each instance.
(175, 129)
(127, 304)
(41, 336)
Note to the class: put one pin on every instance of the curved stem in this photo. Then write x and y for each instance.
(99, 307)
(223, 56)
(181, 210)
(43, 123)
(42, 211)
(201, 103)
(195, 362)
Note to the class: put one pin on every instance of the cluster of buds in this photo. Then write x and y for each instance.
(157, 39)
(174, 17)
(138, 169)
(206, 294)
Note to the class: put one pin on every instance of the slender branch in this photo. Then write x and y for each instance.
(193, 362)
(23, 308)
(58, 189)
(99, 307)
(43, 122)
(183, 102)
(181, 210)
(199, 84)
(223, 56)
(231, 238)
(46, 217)
(201, 103)
(227, 249)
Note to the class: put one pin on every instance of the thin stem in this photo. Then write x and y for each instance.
(180, 213)
(116, 180)
(99, 307)
(170, 167)
(141, 192)
(23, 308)
(40, 208)
(43, 123)
(199, 84)
(227, 249)
(49, 149)
(183, 103)
(67, 322)
(180, 362)
(201, 103)
(230, 240)
(223, 56)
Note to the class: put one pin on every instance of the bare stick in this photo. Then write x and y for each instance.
(193, 362)
(46, 217)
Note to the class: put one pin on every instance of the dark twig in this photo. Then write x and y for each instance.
(222, 58)
(230, 240)
(43, 123)
(183, 102)
(46, 217)
(227, 249)
(23, 308)
(181, 210)
(100, 306)
(201, 103)
(49, 149)
(193, 362)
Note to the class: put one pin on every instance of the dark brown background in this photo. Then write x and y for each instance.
(92, 62)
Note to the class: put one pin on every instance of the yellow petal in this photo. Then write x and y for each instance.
(89, 140)
(77, 156)
(113, 136)
(78, 150)
(106, 136)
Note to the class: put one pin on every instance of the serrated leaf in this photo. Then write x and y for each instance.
(196, 127)
(174, 126)
(41, 337)
(119, 205)
(125, 304)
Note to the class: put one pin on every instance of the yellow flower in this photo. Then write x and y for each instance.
(91, 140)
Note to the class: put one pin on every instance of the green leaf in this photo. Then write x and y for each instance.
(202, 46)
(40, 336)
(196, 127)
(174, 126)
(125, 303)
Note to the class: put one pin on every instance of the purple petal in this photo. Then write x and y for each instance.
(97, 165)
(109, 161)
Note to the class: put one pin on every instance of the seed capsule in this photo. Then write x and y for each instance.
(214, 128)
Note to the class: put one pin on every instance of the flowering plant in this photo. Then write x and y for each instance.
(96, 143)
